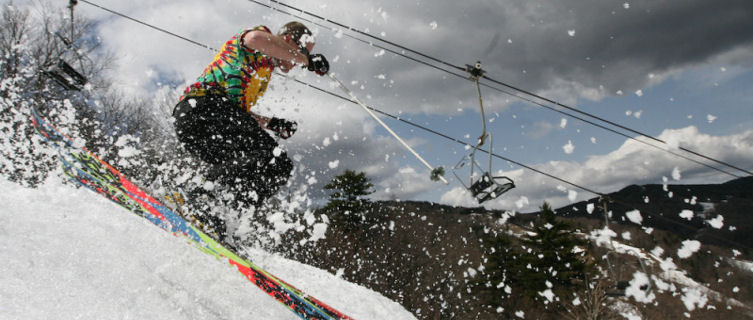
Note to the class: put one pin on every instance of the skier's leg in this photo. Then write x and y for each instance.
(243, 154)
(196, 122)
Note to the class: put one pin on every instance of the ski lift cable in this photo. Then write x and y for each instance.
(528, 93)
(352, 29)
(625, 135)
(432, 131)
(148, 25)
(612, 123)
(369, 43)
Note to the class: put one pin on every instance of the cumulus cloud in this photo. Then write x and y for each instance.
(631, 163)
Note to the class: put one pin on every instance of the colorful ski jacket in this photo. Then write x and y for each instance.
(238, 72)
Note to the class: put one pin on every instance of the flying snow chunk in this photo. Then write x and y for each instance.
(548, 294)
(640, 280)
(694, 298)
(563, 123)
(523, 201)
(590, 208)
(334, 164)
(571, 33)
(634, 216)
(383, 14)
(433, 25)
(572, 195)
(716, 223)
(603, 236)
(626, 5)
(676, 174)
(689, 247)
(639, 93)
(686, 214)
(318, 232)
(710, 118)
(569, 147)
(658, 251)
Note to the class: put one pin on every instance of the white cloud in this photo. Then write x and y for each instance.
(631, 163)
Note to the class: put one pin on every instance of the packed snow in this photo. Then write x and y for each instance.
(71, 254)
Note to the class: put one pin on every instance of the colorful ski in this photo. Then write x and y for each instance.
(88, 170)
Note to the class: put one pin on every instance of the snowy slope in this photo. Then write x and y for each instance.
(70, 254)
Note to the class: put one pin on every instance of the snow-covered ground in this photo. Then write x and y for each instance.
(68, 253)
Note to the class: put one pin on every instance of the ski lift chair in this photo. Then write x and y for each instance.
(66, 76)
(486, 187)
(62, 72)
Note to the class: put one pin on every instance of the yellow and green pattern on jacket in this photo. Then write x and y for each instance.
(241, 73)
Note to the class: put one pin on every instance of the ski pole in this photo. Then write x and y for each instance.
(435, 172)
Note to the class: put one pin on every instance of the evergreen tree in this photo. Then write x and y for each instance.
(539, 271)
(503, 259)
(555, 264)
(347, 197)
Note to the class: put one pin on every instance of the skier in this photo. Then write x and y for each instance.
(214, 120)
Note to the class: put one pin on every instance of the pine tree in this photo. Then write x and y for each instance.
(539, 271)
(555, 264)
(347, 197)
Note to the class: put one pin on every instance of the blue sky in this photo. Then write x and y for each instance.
(679, 70)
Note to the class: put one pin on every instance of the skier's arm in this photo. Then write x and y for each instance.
(274, 46)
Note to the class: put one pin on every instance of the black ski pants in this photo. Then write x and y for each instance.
(240, 152)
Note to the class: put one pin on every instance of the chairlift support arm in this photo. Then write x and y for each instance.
(436, 172)
(486, 187)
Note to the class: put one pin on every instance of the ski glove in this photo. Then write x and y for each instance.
(282, 128)
(317, 62)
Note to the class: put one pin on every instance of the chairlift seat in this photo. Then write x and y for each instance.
(67, 76)
(490, 187)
